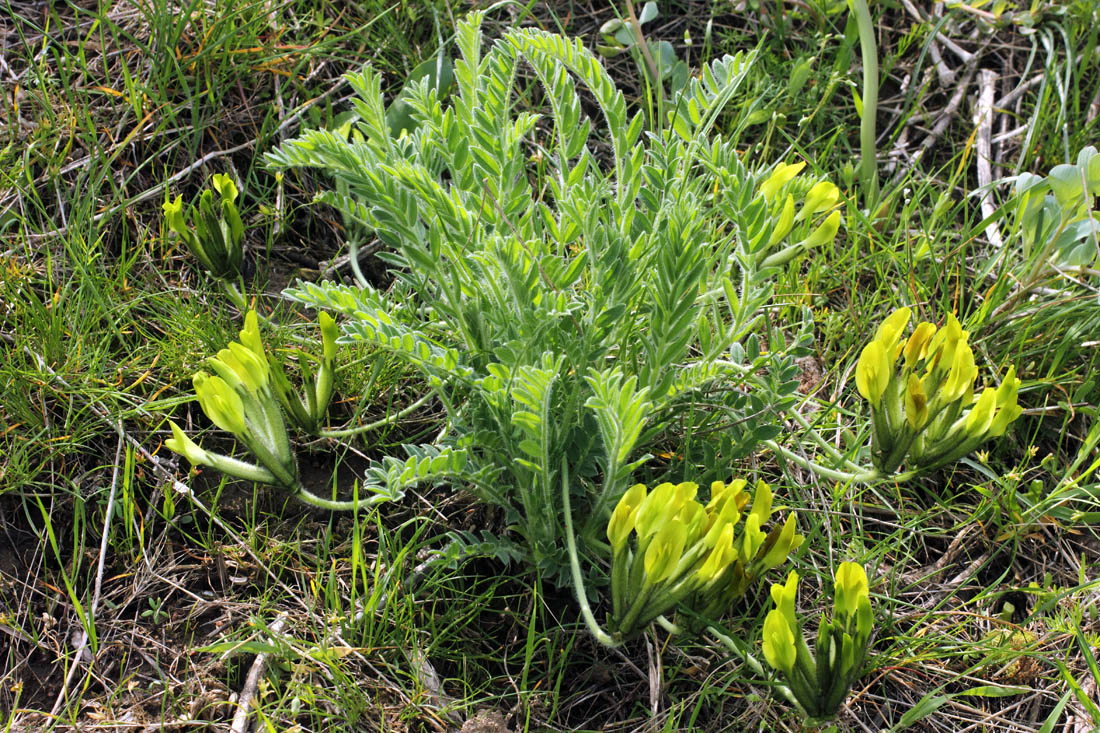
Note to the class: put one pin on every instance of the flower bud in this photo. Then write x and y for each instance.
(329, 332)
(781, 176)
(250, 336)
(180, 443)
(225, 187)
(779, 648)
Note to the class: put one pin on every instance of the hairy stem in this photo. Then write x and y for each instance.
(863, 477)
(868, 167)
(575, 565)
(388, 420)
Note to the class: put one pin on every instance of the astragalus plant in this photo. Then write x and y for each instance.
(565, 293)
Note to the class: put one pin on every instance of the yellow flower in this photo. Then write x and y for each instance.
(224, 185)
(752, 538)
(916, 348)
(220, 402)
(1007, 409)
(850, 586)
(962, 375)
(943, 344)
(622, 519)
(889, 331)
(779, 648)
(781, 176)
(719, 492)
(662, 504)
(873, 372)
(720, 556)
(784, 596)
(787, 542)
(824, 232)
(762, 502)
(980, 417)
(664, 552)
(784, 224)
(822, 197)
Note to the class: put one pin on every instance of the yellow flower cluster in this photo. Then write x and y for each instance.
(688, 552)
(820, 680)
(821, 198)
(923, 406)
(246, 396)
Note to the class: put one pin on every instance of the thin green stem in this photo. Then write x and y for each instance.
(236, 297)
(868, 166)
(823, 444)
(353, 260)
(303, 494)
(388, 420)
(741, 650)
(668, 625)
(863, 477)
(575, 565)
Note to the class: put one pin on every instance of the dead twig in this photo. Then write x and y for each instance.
(252, 683)
(983, 119)
(953, 549)
(965, 56)
(945, 119)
